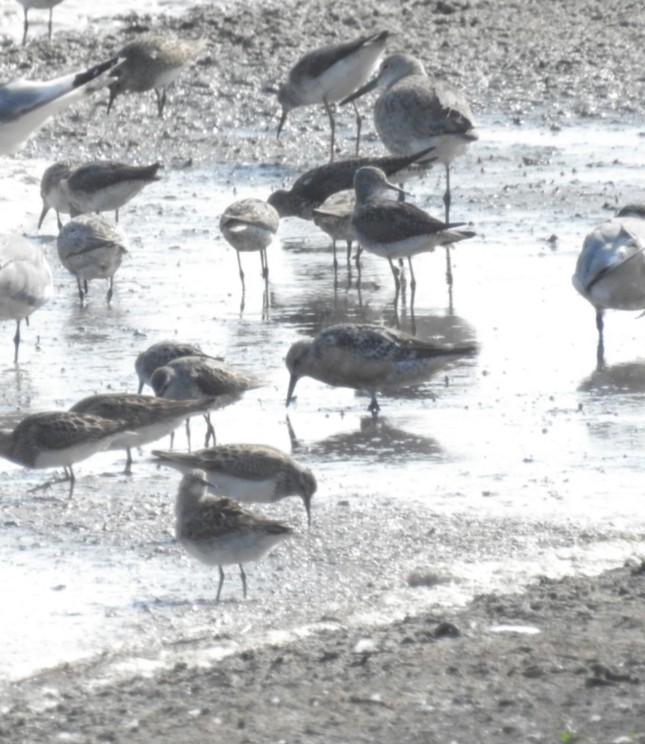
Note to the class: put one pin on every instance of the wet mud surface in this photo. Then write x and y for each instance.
(478, 674)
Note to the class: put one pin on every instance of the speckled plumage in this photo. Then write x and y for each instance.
(610, 270)
(250, 473)
(151, 63)
(368, 358)
(159, 354)
(218, 531)
(334, 216)
(25, 281)
(91, 247)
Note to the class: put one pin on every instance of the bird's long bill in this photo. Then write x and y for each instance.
(398, 189)
(292, 386)
(361, 91)
(283, 118)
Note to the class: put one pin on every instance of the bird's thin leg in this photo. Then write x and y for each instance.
(600, 325)
(221, 583)
(332, 124)
(128, 462)
(265, 264)
(413, 281)
(72, 480)
(395, 274)
(243, 575)
(58, 219)
(239, 265)
(333, 243)
(25, 27)
(161, 100)
(446, 201)
(373, 407)
(110, 288)
(51, 13)
(16, 342)
(188, 432)
(81, 294)
(210, 430)
(359, 126)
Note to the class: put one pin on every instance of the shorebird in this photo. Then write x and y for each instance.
(610, 271)
(368, 358)
(330, 74)
(396, 229)
(312, 188)
(194, 377)
(58, 439)
(250, 225)
(91, 247)
(25, 281)
(161, 354)
(93, 187)
(250, 473)
(218, 532)
(25, 105)
(334, 216)
(51, 191)
(415, 111)
(151, 63)
(148, 418)
(39, 5)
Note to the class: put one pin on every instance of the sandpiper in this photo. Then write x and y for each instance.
(51, 191)
(396, 229)
(193, 377)
(250, 225)
(610, 271)
(25, 281)
(160, 354)
(151, 63)
(334, 216)
(218, 532)
(330, 74)
(58, 439)
(39, 5)
(312, 188)
(25, 105)
(368, 358)
(91, 247)
(148, 418)
(415, 111)
(250, 473)
(93, 187)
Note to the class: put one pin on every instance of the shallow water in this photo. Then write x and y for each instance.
(528, 462)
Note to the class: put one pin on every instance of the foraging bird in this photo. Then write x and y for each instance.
(610, 271)
(93, 187)
(91, 247)
(312, 188)
(58, 439)
(161, 354)
(148, 418)
(330, 74)
(25, 105)
(39, 5)
(415, 111)
(396, 229)
(194, 377)
(250, 225)
(151, 63)
(218, 532)
(250, 473)
(368, 358)
(25, 281)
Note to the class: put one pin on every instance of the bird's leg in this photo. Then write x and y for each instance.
(373, 407)
(128, 462)
(265, 264)
(239, 264)
(109, 292)
(333, 243)
(16, 342)
(72, 480)
(395, 274)
(221, 583)
(161, 100)
(332, 124)
(58, 219)
(600, 325)
(25, 27)
(446, 201)
(81, 294)
(413, 281)
(349, 254)
(359, 125)
(243, 575)
(51, 13)
(210, 430)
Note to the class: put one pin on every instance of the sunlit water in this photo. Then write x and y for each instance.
(528, 462)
